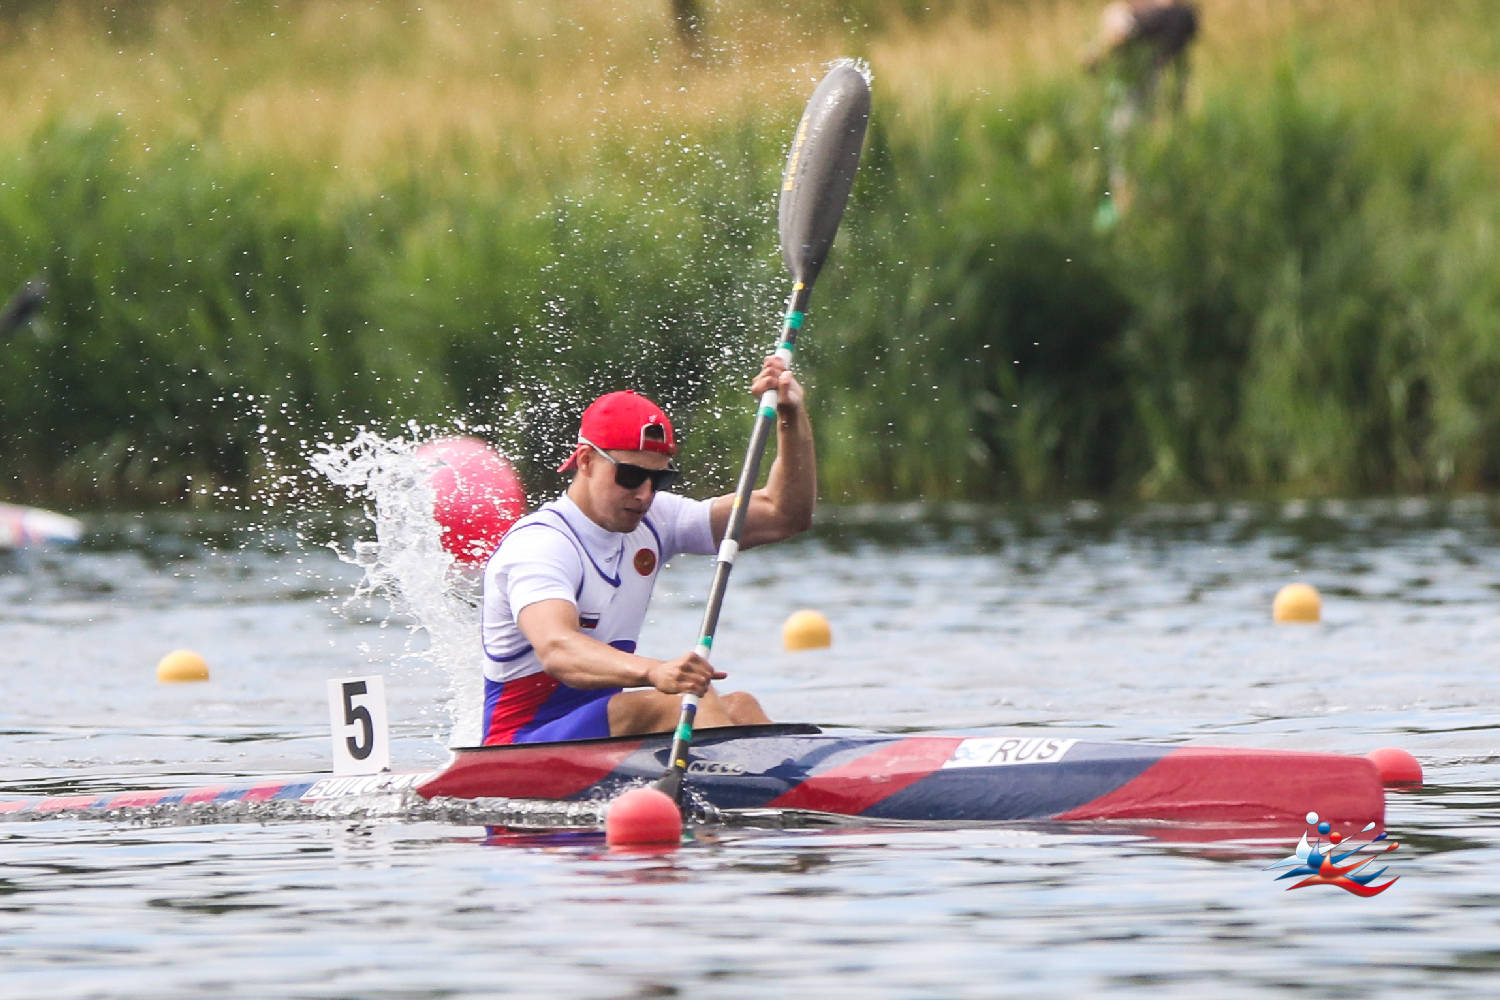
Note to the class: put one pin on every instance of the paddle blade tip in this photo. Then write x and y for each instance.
(820, 167)
(642, 816)
(846, 64)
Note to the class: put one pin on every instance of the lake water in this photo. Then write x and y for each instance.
(1144, 625)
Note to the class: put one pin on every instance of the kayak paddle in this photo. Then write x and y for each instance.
(814, 189)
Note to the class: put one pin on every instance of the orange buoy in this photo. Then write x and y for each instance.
(181, 666)
(642, 816)
(1396, 766)
(806, 629)
(477, 496)
(1297, 602)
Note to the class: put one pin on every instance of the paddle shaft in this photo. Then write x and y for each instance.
(814, 190)
(729, 548)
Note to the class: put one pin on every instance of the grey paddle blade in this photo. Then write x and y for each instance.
(820, 168)
(670, 785)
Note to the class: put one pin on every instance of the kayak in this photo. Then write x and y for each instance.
(936, 777)
(931, 778)
(24, 526)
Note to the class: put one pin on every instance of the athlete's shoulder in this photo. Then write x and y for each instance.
(673, 507)
(541, 534)
(680, 524)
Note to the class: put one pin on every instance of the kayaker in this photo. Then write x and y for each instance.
(566, 592)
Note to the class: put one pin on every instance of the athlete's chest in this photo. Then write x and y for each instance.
(617, 583)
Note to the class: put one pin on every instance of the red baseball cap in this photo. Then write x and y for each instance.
(623, 421)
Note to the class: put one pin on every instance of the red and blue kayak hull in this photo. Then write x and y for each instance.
(938, 778)
(23, 527)
(885, 777)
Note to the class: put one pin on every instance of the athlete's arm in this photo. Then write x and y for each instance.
(784, 506)
(579, 661)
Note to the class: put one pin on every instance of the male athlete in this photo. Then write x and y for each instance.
(565, 594)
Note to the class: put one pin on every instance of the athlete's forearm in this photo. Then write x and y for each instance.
(792, 485)
(784, 506)
(586, 663)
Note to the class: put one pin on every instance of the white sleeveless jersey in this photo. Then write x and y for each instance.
(558, 553)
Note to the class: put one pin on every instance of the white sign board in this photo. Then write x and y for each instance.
(999, 751)
(359, 724)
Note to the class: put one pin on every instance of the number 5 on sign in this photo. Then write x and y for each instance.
(361, 729)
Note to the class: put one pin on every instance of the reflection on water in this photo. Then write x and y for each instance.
(1138, 624)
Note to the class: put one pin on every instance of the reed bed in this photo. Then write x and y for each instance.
(268, 222)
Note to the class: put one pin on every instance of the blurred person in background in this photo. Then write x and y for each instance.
(1139, 42)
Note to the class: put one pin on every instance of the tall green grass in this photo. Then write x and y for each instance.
(1300, 297)
(1284, 307)
(208, 319)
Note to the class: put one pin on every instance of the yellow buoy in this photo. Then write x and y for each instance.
(181, 665)
(1297, 602)
(806, 630)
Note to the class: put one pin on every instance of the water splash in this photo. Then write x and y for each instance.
(859, 66)
(498, 814)
(406, 567)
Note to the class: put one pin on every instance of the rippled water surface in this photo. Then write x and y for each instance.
(1148, 625)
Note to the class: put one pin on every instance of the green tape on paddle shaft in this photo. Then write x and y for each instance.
(794, 319)
(684, 733)
(787, 345)
(769, 412)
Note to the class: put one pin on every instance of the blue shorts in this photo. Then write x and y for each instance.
(586, 718)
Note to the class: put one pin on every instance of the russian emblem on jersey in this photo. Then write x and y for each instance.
(645, 562)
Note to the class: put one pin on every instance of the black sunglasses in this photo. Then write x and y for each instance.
(630, 477)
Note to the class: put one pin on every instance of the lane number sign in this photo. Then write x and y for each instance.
(359, 724)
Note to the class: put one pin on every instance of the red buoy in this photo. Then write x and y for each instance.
(642, 816)
(1396, 766)
(477, 496)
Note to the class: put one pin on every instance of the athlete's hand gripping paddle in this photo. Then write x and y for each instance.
(814, 189)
